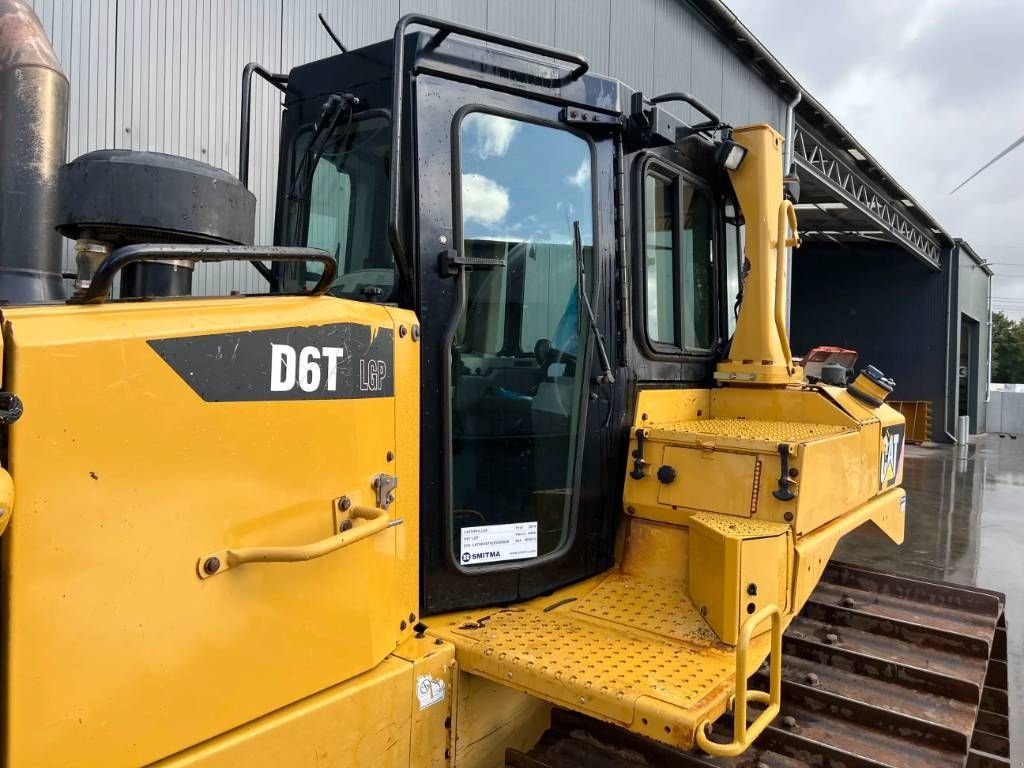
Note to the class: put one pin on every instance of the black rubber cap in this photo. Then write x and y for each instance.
(666, 474)
(125, 197)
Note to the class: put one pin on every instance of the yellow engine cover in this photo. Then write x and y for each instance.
(736, 568)
(156, 432)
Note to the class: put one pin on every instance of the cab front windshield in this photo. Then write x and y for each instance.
(341, 206)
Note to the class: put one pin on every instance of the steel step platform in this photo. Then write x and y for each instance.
(879, 671)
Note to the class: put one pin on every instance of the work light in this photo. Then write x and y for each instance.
(729, 154)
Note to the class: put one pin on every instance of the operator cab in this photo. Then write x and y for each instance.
(563, 241)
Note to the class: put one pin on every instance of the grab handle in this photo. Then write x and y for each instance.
(742, 735)
(375, 520)
(787, 216)
(103, 277)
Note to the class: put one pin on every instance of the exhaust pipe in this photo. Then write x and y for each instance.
(33, 140)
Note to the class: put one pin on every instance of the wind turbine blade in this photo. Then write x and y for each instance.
(1006, 151)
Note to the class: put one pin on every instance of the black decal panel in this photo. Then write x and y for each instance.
(322, 362)
(893, 439)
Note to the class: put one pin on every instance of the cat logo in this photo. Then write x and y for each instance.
(892, 456)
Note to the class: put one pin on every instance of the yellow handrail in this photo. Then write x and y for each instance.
(742, 735)
(787, 216)
(376, 519)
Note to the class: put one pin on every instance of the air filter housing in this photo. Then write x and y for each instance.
(112, 197)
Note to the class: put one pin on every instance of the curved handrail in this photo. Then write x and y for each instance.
(742, 734)
(103, 277)
(377, 520)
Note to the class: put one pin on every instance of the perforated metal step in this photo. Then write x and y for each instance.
(904, 673)
(630, 650)
(747, 429)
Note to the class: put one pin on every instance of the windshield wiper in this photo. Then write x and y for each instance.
(581, 288)
(323, 130)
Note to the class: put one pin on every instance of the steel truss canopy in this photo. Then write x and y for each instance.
(846, 195)
(839, 203)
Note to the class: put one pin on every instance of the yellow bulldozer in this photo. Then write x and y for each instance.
(511, 463)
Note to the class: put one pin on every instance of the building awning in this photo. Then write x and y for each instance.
(839, 203)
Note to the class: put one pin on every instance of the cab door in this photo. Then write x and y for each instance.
(515, 424)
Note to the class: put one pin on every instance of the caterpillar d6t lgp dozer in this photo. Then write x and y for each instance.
(493, 475)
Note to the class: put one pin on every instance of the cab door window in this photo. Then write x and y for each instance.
(518, 357)
(678, 264)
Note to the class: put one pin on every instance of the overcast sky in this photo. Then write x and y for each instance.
(933, 89)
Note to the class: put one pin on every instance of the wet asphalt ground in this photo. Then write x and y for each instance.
(965, 525)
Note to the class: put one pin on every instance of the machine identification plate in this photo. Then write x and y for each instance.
(494, 543)
(339, 361)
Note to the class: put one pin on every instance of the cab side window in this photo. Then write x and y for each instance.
(679, 267)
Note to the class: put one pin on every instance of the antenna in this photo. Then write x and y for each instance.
(330, 32)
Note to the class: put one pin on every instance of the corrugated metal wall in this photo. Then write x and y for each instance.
(164, 75)
(973, 289)
(881, 302)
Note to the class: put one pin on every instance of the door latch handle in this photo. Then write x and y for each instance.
(372, 520)
(451, 261)
(783, 493)
(637, 473)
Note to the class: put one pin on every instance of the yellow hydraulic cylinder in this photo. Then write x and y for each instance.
(760, 352)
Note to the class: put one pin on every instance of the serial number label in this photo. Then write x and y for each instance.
(494, 543)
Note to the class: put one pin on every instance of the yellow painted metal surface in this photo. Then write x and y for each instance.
(656, 551)
(365, 722)
(790, 404)
(629, 650)
(364, 522)
(6, 499)
(737, 567)
(744, 734)
(887, 512)
(759, 352)
(727, 460)
(869, 387)
(491, 717)
(397, 714)
(435, 679)
(749, 429)
(710, 480)
(719, 521)
(121, 654)
(648, 605)
(6, 482)
(656, 406)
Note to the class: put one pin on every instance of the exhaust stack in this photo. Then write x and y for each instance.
(33, 137)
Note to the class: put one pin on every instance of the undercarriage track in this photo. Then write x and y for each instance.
(879, 671)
